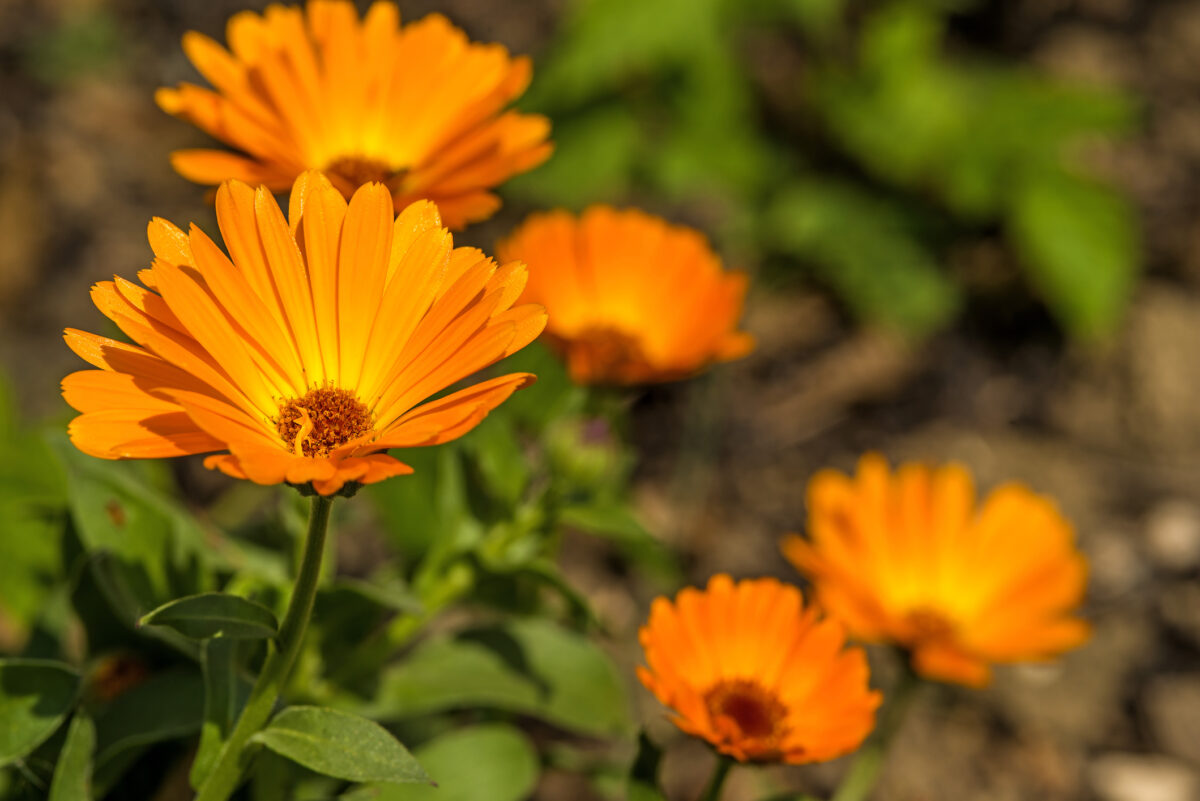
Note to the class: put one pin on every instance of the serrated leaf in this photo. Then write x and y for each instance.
(341, 745)
(1078, 241)
(529, 666)
(35, 697)
(73, 773)
(215, 614)
(481, 763)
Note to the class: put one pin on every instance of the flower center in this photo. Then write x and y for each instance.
(928, 625)
(756, 712)
(325, 418)
(602, 351)
(350, 172)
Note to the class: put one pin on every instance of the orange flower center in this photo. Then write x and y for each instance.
(325, 418)
(756, 712)
(350, 172)
(603, 350)
(928, 625)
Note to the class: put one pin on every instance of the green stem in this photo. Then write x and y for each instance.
(860, 780)
(719, 774)
(234, 758)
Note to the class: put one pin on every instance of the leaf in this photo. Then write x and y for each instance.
(73, 773)
(492, 762)
(529, 666)
(215, 614)
(224, 697)
(1079, 243)
(341, 745)
(167, 706)
(643, 773)
(617, 523)
(35, 697)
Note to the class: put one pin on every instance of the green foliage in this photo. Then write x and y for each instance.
(491, 762)
(224, 697)
(214, 614)
(36, 695)
(338, 744)
(73, 773)
(659, 98)
(528, 666)
(643, 773)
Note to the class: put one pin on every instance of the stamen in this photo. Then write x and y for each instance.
(324, 419)
(755, 711)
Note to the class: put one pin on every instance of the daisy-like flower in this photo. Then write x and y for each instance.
(632, 299)
(307, 351)
(909, 559)
(748, 668)
(419, 108)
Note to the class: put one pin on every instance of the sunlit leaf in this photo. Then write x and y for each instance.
(215, 614)
(338, 744)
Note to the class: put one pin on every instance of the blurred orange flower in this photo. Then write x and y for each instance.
(418, 108)
(908, 559)
(748, 668)
(631, 298)
(306, 352)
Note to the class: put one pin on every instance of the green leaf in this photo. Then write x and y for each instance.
(215, 614)
(224, 696)
(1079, 242)
(73, 773)
(341, 745)
(643, 774)
(529, 666)
(868, 250)
(481, 763)
(167, 706)
(35, 697)
(617, 523)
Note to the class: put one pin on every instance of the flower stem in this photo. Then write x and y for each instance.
(719, 774)
(234, 758)
(860, 780)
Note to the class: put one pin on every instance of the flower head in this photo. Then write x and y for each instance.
(748, 668)
(909, 559)
(632, 299)
(418, 108)
(309, 349)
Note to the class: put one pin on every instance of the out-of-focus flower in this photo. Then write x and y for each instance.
(909, 559)
(418, 108)
(748, 668)
(306, 352)
(631, 298)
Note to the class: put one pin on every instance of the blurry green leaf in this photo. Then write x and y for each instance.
(1079, 242)
(167, 706)
(215, 614)
(35, 696)
(529, 666)
(496, 455)
(617, 523)
(426, 507)
(224, 696)
(481, 763)
(85, 42)
(643, 773)
(867, 250)
(390, 593)
(73, 773)
(552, 396)
(338, 744)
(594, 157)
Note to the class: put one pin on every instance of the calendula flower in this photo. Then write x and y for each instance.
(309, 349)
(748, 668)
(631, 298)
(909, 559)
(419, 108)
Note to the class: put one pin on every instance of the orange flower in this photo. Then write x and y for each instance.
(418, 108)
(748, 668)
(908, 559)
(306, 352)
(632, 299)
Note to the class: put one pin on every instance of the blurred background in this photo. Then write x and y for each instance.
(974, 232)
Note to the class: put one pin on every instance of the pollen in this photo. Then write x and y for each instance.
(323, 419)
(757, 713)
